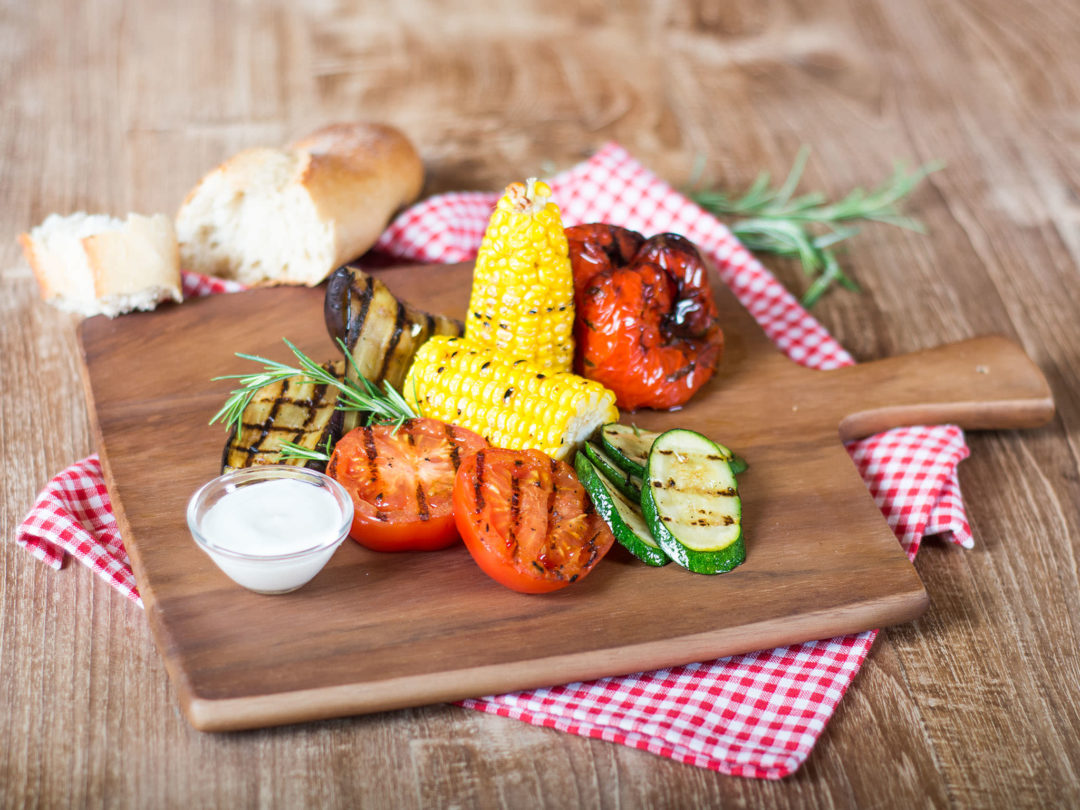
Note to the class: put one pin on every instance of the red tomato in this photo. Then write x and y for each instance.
(527, 521)
(402, 481)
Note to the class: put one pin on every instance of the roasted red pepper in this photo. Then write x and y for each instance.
(646, 325)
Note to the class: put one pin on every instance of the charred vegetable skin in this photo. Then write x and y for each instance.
(381, 332)
(596, 248)
(401, 481)
(527, 520)
(293, 410)
(646, 327)
(512, 403)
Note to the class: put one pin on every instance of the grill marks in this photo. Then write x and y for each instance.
(422, 509)
(712, 503)
(515, 513)
(478, 485)
(371, 452)
(552, 517)
(361, 291)
(265, 427)
(312, 406)
(291, 410)
(455, 451)
(395, 338)
(380, 332)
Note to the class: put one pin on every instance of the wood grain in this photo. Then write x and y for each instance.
(124, 105)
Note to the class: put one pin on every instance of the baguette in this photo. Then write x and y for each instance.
(291, 216)
(99, 265)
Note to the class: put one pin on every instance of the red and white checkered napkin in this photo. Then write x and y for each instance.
(749, 715)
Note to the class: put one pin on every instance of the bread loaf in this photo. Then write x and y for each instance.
(100, 265)
(293, 215)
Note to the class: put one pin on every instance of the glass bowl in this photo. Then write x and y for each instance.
(265, 530)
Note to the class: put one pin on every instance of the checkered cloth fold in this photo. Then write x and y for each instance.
(753, 715)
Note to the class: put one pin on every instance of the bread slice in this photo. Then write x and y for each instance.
(95, 264)
(293, 215)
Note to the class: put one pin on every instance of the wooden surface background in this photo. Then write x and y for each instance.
(117, 106)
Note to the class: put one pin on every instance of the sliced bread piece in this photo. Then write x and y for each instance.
(94, 264)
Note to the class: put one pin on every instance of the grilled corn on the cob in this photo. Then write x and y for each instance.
(522, 300)
(512, 403)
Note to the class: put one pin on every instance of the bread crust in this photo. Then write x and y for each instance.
(37, 264)
(359, 161)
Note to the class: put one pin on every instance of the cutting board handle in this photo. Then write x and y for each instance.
(982, 383)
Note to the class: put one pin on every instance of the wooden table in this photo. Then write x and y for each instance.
(117, 106)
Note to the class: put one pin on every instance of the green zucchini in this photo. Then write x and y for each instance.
(628, 446)
(691, 503)
(629, 484)
(738, 463)
(620, 513)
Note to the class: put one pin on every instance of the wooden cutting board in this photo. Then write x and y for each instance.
(381, 631)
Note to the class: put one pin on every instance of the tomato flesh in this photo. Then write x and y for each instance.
(401, 481)
(527, 521)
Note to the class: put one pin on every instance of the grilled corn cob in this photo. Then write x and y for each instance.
(512, 403)
(522, 300)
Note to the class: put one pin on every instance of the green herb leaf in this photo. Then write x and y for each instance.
(806, 227)
(293, 450)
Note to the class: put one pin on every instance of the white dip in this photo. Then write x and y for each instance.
(269, 519)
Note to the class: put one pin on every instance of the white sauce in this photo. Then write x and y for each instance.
(268, 519)
(272, 517)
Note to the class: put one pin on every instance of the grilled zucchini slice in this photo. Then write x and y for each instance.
(627, 483)
(691, 503)
(628, 446)
(622, 514)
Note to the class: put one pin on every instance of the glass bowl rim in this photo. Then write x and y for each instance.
(248, 476)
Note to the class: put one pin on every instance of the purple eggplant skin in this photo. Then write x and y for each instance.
(338, 303)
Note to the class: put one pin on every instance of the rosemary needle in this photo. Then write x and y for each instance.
(294, 450)
(807, 226)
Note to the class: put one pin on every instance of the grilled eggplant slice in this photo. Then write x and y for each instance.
(304, 413)
(381, 333)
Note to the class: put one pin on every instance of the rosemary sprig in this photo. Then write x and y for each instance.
(293, 450)
(383, 407)
(807, 226)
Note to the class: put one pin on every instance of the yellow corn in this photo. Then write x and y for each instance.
(522, 300)
(511, 403)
